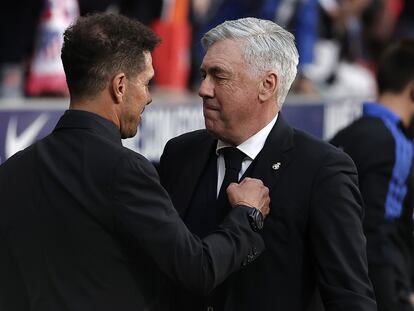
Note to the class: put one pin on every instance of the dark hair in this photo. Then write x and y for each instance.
(98, 46)
(396, 67)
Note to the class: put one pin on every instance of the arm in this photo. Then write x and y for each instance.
(337, 238)
(144, 208)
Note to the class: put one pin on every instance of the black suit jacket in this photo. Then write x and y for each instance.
(313, 234)
(84, 224)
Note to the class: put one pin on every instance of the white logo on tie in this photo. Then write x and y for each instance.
(16, 142)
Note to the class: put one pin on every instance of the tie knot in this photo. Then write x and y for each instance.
(233, 158)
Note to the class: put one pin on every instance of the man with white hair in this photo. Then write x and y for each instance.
(313, 235)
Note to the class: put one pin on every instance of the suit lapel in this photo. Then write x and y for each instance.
(192, 170)
(268, 165)
(274, 157)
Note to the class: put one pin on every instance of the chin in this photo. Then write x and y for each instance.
(213, 132)
(213, 125)
(129, 134)
(220, 133)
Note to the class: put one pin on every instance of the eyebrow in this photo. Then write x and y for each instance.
(214, 70)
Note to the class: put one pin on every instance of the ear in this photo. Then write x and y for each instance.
(267, 87)
(412, 94)
(118, 87)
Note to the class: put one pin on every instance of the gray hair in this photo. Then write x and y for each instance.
(265, 46)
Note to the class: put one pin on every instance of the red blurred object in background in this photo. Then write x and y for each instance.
(46, 75)
(172, 58)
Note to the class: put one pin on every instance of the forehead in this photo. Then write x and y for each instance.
(225, 53)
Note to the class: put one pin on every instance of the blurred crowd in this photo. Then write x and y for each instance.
(339, 41)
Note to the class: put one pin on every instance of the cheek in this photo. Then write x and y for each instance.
(231, 99)
(141, 100)
(237, 108)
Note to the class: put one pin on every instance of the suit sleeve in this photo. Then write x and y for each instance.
(337, 239)
(144, 208)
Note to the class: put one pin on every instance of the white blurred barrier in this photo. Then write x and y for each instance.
(24, 121)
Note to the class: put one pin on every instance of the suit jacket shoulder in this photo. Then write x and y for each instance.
(364, 138)
(186, 142)
(178, 158)
(320, 152)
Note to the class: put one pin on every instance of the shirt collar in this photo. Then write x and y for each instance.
(80, 119)
(380, 111)
(252, 146)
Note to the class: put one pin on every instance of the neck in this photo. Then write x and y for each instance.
(399, 104)
(98, 106)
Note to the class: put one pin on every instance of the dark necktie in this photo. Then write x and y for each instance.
(233, 159)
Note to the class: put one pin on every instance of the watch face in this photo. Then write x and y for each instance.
(259, 220)
(256, 220)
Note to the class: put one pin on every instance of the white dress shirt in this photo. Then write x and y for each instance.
(251, 147)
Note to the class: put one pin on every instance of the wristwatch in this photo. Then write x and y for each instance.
(255, 219)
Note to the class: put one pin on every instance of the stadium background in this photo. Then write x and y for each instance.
(338, 41)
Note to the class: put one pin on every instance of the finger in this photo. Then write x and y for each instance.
(231, 185)
(253, 181)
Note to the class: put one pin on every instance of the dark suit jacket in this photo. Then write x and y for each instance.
(313, 234)
(84, 224)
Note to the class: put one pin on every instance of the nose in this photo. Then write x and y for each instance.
(206, 88)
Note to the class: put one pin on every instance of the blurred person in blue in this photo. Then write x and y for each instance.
(313, 236)
(84, 222)
(339, 66)
(382, 148)
(300, 17)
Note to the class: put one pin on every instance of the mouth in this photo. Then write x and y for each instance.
(208, 106)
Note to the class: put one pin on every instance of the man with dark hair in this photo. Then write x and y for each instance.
(382, 150)
(84, 222)
(98, 46)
